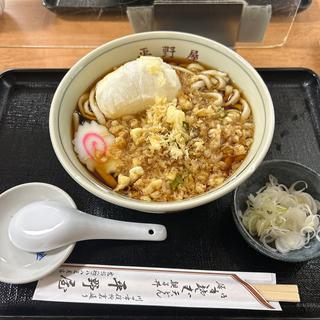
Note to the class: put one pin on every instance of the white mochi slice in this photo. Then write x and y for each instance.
(135, 86)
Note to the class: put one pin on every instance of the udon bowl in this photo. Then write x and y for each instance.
(98, 62)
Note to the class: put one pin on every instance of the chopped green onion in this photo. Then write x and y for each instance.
(185, 125)
(176, 182)
(284, 217)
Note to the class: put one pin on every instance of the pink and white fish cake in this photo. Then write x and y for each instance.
(91, 143)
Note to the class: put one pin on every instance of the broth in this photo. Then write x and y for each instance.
(175, 149)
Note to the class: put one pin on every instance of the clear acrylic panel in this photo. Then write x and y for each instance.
(86, 24)
(283, 14)
(30, 23)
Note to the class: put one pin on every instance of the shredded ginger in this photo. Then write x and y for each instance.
(283, 219)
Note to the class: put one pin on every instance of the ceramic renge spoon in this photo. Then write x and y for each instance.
(47, 225)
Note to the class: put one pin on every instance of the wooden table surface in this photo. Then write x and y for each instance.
(33, 37)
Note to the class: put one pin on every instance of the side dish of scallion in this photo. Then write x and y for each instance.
(282, 218)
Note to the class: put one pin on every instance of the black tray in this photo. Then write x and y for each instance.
(97, 6)
(202, 238)
(92, 6)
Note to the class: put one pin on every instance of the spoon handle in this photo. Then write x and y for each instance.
(102, 228)
(45, 225)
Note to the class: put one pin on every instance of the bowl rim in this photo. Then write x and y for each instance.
(153, 206)
(254, 243)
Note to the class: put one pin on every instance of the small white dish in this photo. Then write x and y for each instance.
(17, 266)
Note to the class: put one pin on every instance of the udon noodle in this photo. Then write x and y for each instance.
(176, 147)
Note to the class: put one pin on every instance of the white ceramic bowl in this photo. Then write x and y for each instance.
(95, 64)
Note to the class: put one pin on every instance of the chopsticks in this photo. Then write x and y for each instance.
(279, 292)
